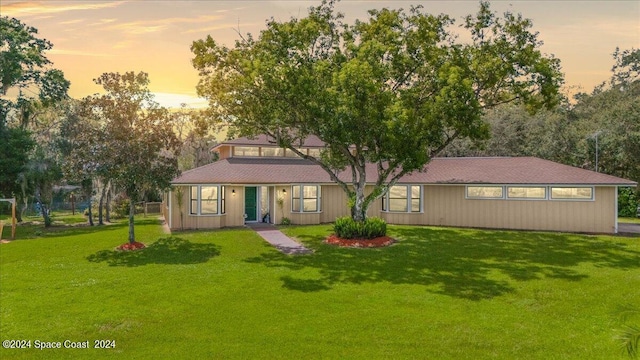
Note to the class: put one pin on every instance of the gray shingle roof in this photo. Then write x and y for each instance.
(492, 170)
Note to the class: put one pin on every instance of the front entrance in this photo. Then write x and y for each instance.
(251, 204)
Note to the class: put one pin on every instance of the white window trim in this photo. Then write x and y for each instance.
(301, 200)
(385, 198)
(199, 200)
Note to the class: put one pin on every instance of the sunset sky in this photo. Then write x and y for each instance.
(92, 37)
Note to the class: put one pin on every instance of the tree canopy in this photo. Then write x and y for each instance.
(137, 150)
(24, 66)
(394, 90)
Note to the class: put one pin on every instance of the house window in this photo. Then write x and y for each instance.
(207, 200)
(272, 152)
(314, 152)
(515, 192)
(246, 151)
(305, 198)
(403, 198)
(572, 193)
(485, 192)
(290, 153)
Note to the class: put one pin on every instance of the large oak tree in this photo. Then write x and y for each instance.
(393, 90)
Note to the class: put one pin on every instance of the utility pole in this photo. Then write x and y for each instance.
(597, 148)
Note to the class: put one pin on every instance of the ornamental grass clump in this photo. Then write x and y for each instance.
(370, 228)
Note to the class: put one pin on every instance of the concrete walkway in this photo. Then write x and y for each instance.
(628, 228)
(276, 238)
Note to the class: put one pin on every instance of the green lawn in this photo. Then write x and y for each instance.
(438, 293)
(629, 220)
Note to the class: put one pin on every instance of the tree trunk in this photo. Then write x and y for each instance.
(101, 204)
(21, 207)
(90, 214)
(44, 209)
(46, 214)
(132, 211)
(107, 208)
(358, 211)
(88, 193)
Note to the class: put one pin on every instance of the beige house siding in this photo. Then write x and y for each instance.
(224, 151)
(443, 205)
(334, 203)
(232, 217)
(447, 206)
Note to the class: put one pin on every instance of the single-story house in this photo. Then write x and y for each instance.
(256, 181)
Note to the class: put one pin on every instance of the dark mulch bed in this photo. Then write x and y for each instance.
(360, 243)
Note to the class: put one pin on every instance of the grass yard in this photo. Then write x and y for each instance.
(629, 220)
(438, 293)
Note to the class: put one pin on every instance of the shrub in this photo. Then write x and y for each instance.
(285, 221)
(628, 201)
(120, 208)
(347, 228)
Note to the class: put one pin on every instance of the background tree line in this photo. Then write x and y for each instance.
(605, 121)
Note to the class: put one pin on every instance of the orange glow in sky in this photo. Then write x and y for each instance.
(93, 37)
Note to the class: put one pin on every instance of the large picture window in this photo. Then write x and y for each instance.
(403, 198)
(207, 200)
(305, 198)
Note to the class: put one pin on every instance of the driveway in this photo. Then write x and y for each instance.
(628, 228)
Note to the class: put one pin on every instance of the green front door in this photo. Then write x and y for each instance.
(251, 203)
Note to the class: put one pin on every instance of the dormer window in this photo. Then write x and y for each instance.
(272, 152)
(263, 151)
(246, 151)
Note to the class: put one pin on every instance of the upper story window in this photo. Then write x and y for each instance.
(264, 151)
(305, 198)
(290, 153)
(314, 152)
(207, 200)
(403, 198)
(271, 152)
(246, 151)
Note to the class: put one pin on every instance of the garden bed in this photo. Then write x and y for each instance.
(131, 246)
(360, 243)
